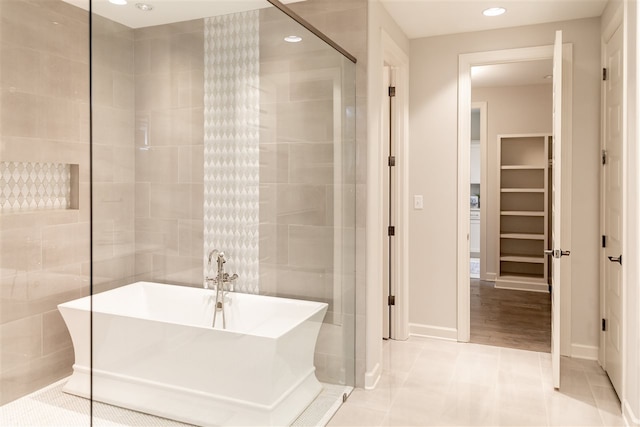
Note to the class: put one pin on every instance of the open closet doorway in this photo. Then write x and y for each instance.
(510, 190)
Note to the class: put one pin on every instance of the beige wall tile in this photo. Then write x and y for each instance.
(21, 250)
(190, 238)
(311, 247)
(274, 163)
(142, 201)
(157, 164)
(311, 163)
(21, 342)
(124, 91)
(301, 204)
(102, 163)
(102, 239)
(55, 335)
(63, 77)
(197, 201)
(102, 86)
(170, 200)
(65, 244)
(305, 121)
(274, 244)
(20, 69)
(40, 373)
(20, 113)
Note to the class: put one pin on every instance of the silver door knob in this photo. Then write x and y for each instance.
(557, 253)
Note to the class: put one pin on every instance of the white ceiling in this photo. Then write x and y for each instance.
(425, 18)
(512, 74)
(169, 11)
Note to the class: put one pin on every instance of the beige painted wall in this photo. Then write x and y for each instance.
(433, 132)
(510, 110)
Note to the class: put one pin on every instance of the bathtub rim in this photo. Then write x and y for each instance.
(85, 304)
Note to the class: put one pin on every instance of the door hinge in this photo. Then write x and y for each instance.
(604, 157)
(391, 300)
(391, 231)
(392, 160)
(604, 325)
(604, 241)
(392, 91)
(605, 74)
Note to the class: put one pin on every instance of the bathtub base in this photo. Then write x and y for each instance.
(190, 406)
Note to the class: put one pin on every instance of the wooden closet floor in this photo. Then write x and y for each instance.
(506, 318)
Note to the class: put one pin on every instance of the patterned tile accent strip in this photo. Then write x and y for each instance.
(231, 144)
(27, 186)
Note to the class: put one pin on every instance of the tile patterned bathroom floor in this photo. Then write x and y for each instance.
(49, 407)
(430, 382)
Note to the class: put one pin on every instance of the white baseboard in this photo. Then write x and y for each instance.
(521, 286)
(629, 417)
(588, 352)
(372, 377)
(428, 331)
(490, 277)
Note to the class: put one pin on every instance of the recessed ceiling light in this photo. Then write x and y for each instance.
(494, 11)
(118, 2)
(293, 39)
(548, 76)
(144, 7)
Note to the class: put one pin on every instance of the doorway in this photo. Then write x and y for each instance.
(562, 130)
(511, 307)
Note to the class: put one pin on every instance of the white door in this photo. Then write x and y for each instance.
(613, 211)
(556, 251)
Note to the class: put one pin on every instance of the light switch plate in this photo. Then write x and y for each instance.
(418, 202)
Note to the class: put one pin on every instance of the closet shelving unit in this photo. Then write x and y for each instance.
(524, 211)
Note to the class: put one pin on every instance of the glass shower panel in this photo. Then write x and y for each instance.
(223, 185)
(44, 204)
(307, 176)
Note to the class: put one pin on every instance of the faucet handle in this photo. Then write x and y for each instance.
(209, 281)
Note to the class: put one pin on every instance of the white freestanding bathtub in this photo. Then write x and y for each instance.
(154, 351)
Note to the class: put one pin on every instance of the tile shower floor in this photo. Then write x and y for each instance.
(432, 382)
(51, 407)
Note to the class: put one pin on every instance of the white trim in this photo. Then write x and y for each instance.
(630, 419)
(393, 56)
(379, 46)
(429, 331)
(587, 352)
(482, 106)
(466, 61)
(372, 377)
(521, 285)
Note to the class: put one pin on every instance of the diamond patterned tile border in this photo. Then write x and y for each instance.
(26, 186)
(231, 144)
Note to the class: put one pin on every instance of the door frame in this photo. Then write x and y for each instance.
(466, 61)
(484, 129)
(387, 52)
(397, 60)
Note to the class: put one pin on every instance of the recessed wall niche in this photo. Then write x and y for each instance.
(32, 186)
